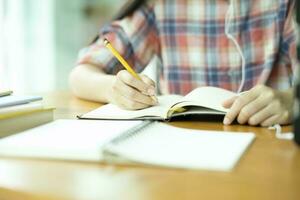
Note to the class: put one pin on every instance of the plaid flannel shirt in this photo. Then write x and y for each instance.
(189, 38)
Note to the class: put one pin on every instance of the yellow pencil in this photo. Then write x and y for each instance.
(121, 59)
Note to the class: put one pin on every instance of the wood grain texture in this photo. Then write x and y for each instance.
(270, 169)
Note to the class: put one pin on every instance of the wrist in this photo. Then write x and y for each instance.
(108, 89)
(103, 87)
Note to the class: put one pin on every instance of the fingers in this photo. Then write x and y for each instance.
(252, 108)
(238, 104)
(131, 93)
(228, 103)
(259, 106)
(147, 80)
(270, 121)
(127, 78)
(270, 115)
(129, 104)
(262, 115)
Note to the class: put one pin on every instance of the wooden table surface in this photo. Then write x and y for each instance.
(270, 169)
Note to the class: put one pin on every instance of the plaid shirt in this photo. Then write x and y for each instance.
(189, 37)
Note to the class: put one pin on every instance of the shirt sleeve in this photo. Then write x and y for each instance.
(287, 59)
(135, 37)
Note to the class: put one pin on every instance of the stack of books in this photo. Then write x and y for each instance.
(21, 112)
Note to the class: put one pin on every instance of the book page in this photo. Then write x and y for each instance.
(209, 97)
(111, 111)
(165, 145)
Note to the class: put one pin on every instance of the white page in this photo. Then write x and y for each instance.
(169, 146)
(111, 111)
(210, 97)
(65, 139)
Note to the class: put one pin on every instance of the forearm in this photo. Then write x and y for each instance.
(90, 83)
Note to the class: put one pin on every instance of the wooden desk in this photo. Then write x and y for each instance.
(269, 170)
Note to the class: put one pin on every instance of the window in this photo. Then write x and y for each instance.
(26, 48)
(40, 40)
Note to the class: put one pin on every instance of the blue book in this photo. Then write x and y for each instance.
(14, 100)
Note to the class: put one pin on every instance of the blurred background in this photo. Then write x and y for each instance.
(298, 21)
(40, 40)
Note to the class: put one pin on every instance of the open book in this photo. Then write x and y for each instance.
(204, 100)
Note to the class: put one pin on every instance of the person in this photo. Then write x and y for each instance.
(244, 46)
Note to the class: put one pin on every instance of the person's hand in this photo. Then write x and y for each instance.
(260, 106)
(130, 93)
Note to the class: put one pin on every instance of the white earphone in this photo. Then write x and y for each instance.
(229, 16)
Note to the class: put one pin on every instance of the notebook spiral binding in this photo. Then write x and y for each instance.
(131, 132)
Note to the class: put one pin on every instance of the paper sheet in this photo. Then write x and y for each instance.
(65, 139)
(169, 146)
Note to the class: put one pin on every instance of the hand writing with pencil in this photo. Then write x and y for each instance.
(131, 91)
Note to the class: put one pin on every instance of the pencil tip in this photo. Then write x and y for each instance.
(105, 41)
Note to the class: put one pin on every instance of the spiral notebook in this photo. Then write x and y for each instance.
(135, 142)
